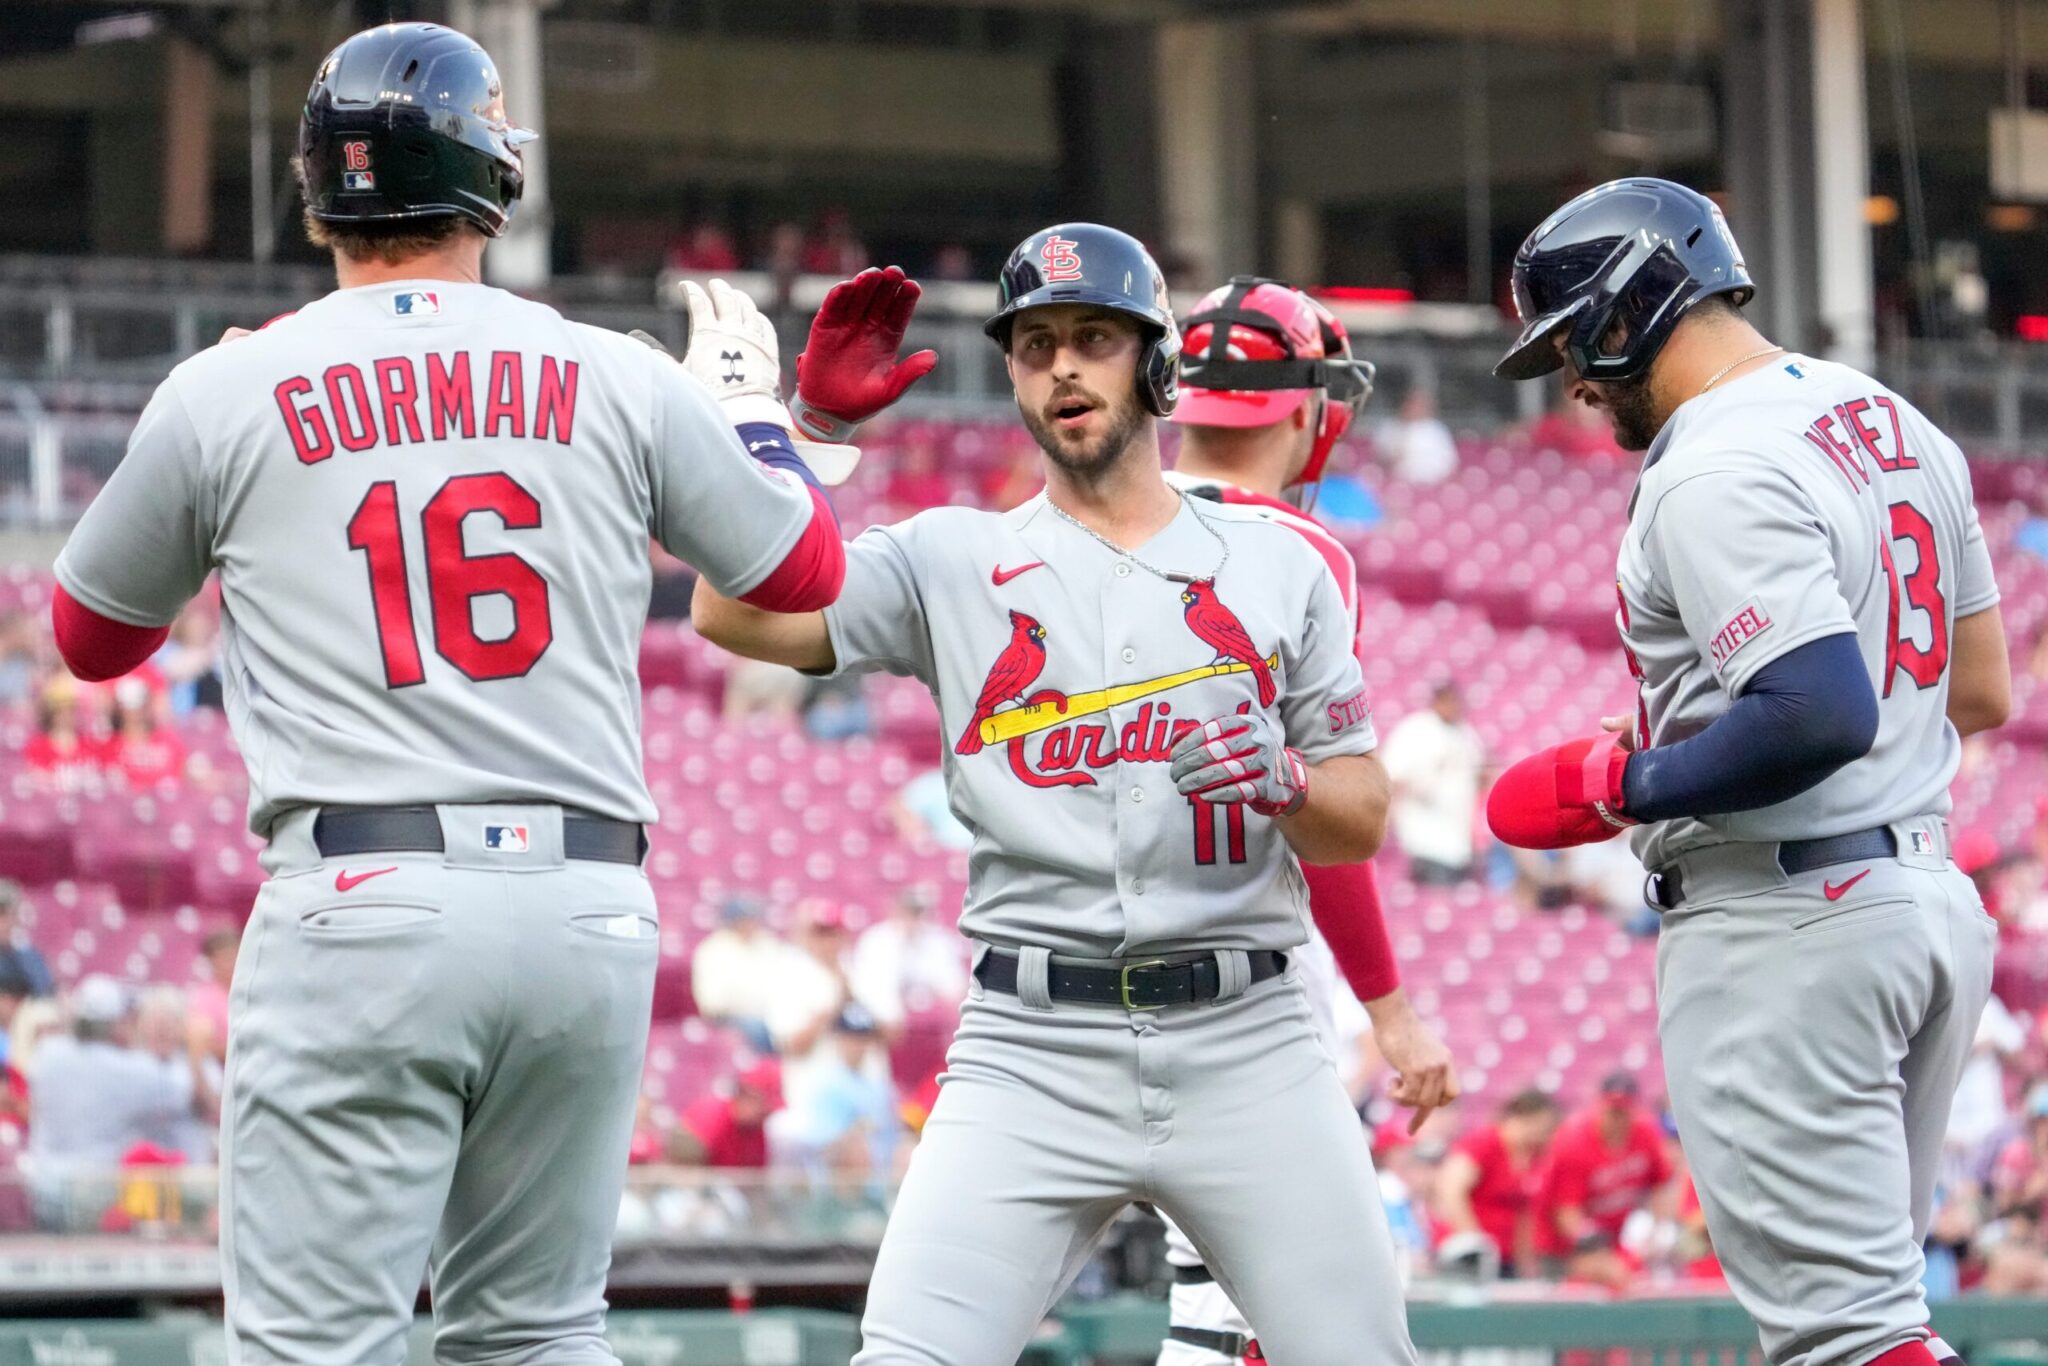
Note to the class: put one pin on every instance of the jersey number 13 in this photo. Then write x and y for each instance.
(455, 579)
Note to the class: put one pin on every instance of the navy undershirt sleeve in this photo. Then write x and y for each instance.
(1803, 716)
(770, 445)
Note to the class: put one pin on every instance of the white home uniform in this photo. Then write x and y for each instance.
(1063, 672)
(429, 504)
(1823, 963)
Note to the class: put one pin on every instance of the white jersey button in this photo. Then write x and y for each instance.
(1138, 886)
(1137, 794)
(1123, 571)
(1129, 654)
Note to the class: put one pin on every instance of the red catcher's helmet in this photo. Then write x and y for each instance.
(1256, 350)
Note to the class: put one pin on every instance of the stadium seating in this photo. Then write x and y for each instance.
(1501, 577)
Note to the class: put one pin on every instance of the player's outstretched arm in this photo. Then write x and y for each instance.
(798, 639)
(1980, 675)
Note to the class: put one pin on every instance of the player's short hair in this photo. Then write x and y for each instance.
(391, 242)
(1528, 1101)
(1717, 307)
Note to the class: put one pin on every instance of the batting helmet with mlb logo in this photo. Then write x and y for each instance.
(1086, 263)
(408, 121)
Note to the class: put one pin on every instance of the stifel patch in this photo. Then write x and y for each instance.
(1749, 622)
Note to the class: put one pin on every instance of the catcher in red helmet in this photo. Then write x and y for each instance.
(1268, 388)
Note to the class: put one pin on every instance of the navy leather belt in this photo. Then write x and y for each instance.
(339, 831)
(1666, 888)
(1135, 986)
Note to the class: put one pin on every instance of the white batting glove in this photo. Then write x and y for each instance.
(1241, 758)
(732, 351)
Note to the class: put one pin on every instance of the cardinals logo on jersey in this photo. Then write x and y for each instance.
(1218, 628)
(1011, 708)
(1015, 670)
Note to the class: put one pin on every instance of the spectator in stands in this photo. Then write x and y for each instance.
(738, 970)
(190, 660)
(704, 248)
(2016, 1251)
(954, 262)
(836, 709)
(905, 965)
(916, 481)
(163, 1033)
(14, 993)
(783, 261)
(18, 957)
(1605, 1163)
(1416, 445)
(1489, 1183)
(811, 991)
(727, 1126)
(1606, 876)
(141, 752)
(1433, 759)
(63, 754)
(1979, 1116)
(1575, 430)
(837, 250)
(93, 1096)
(924, 818)
(207, 1005)
(754, 688)
(20, 657)
(848, 1126)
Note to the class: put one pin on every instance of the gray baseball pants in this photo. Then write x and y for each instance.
(1227, 1115)
(1812, 1044)
(433, 1071)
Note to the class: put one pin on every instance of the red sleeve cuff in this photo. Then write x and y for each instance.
(1345, 901)
(812, 573)
(98, 648)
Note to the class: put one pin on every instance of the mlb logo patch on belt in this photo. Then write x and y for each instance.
(1921, 841)
(505, 839)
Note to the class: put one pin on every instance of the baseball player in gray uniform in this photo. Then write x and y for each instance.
(429, 504)
(1808, 606)
(1153, 713)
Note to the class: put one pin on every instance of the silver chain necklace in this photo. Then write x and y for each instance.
(1153, 569)
(1722, 373)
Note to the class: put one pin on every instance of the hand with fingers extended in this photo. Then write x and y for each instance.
(1241, 758)
(848, 370)
(732, 352)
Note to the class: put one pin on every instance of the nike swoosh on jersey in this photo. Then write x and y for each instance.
(344, 881)
(1000, 576)
(1834, 891)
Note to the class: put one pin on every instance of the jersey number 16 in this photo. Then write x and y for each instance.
(455, 579)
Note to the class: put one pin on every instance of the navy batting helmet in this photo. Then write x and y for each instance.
(408, 121)
(1637, 252)
(1086, 263)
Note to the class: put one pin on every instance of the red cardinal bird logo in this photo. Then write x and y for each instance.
(1218, 628)
(1016, 668)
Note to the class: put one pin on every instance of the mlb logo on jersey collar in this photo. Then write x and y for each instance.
(415, 303)
(505, 839)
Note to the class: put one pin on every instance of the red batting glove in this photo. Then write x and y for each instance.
(1565, 795)
(848, 370)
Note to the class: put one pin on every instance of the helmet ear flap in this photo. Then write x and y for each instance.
(1159, 375)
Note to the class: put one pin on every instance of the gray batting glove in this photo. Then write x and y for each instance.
(1241, 758)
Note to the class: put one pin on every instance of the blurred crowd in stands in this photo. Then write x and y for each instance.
(831, 1028)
